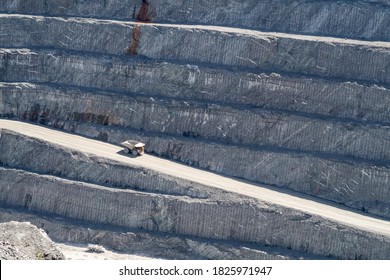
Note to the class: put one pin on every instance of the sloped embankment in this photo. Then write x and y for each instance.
(304, 111)
(216, 216)
(305, 163)
(23, 241)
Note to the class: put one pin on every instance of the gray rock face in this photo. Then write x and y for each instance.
(304, 174)
(304, 113)
(266, 225)
(23, 241)
(307, 55)
(289, 144)
(153, 243)
(263, 128)
(129, 76)
(365, 20)
(41, 157)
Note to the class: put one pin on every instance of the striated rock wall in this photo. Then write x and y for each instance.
(304, 113)
(276, 226)
(229, 125)
(152, 243)
(365, 20)
(303, 174)
(312, 175)
(270, 136)
(41, 157)
(334, 58)
(128, 75)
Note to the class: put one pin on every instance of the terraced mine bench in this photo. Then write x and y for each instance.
(169, 198)
(292, 96)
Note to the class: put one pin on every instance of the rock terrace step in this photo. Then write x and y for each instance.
(325, 57)
(366, 19)
(281, 92)
(174, 215)
(316, 107)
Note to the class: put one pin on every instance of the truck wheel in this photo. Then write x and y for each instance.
(126, 150)
(134, 152)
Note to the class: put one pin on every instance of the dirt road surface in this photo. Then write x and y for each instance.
(300, 202)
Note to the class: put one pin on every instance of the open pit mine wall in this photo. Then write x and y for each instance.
(17, 150)
(131, 76)
(300, 172)
(275, 226)
(149, 243)
(229, 125)
(366, 19)
(295, 167)
(211, 86)
(22, 152)
(248, 49)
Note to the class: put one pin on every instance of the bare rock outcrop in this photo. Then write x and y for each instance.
(24, 241)
(292, 95)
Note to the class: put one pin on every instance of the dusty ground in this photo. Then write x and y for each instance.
(82, 252)
(24, 241)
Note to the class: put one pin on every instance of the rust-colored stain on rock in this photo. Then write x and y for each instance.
(132, 50)
(146, 12)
